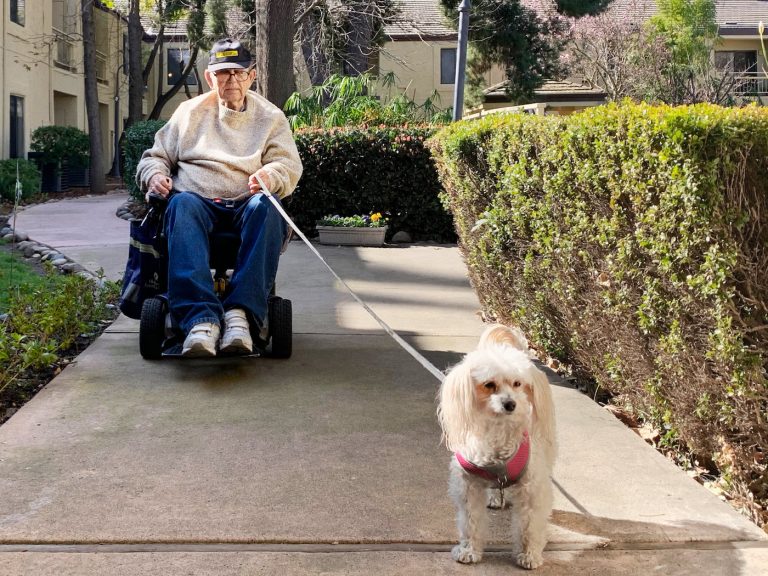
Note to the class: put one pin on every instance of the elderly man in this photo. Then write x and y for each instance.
(209, 154)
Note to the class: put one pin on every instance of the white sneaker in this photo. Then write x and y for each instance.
(237, 333)
(201, 340)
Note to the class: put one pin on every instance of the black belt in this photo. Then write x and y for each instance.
(227, 203)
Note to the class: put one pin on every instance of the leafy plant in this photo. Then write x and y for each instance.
(138, 137)
(352, 100)
(28, 175)
(47, 318)
(375, 220)
(61, 144)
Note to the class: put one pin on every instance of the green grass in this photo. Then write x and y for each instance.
(16, 276)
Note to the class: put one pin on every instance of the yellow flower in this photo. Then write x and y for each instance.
(376, 217)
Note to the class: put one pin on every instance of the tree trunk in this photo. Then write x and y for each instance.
(273, 49)
(98, 182)
(316, 59)
(135, 77)
(152, 53)
(360, 37)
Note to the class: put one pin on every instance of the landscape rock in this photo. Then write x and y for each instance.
(401, 237)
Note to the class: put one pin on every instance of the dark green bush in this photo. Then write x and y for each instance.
(350, 171)
(29, 176)
(364, 170)
(59, 144)
(138, 138)
(632, 242)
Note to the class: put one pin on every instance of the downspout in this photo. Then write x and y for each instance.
(5, 112)
(54, 46)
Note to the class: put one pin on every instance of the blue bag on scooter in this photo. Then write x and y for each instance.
(146, 273)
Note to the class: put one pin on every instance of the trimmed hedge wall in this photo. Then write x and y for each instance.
(360, 171)
(632, 242)
(350, 171)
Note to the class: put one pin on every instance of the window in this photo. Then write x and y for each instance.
(737, 62)
(447, 65)
(17, 11)
(177, 60)
(17, 127)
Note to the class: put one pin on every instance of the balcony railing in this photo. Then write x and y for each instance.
(101, 68)
(64, 50)
(750, 85)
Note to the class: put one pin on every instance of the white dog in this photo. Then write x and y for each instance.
(497, 417)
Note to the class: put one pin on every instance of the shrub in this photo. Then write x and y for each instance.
(61, 144)
(630, 241)
(351, 171)
(28, 174)
(138, 137)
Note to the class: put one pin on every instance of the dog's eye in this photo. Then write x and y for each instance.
(490, 386)
(516, 384)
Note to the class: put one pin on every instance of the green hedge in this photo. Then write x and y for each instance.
(360, 171)
(632, 242)
(350, 171)
(59, 144)
(29, 176)
(138, 137)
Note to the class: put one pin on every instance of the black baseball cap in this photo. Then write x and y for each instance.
(228, 53)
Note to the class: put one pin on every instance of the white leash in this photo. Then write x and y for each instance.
(407, 347)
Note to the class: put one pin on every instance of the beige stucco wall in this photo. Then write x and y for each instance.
(25, 70)
(53, 95)
(416, 66)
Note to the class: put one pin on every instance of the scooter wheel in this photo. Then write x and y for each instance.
(152, 328)
(280, 327)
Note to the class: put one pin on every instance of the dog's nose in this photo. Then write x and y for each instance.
(509, 405)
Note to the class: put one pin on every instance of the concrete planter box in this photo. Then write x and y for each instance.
(338, 235)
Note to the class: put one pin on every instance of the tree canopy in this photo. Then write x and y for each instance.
(525, 37)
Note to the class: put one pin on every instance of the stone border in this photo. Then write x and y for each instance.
(32, 250)
(132, 210)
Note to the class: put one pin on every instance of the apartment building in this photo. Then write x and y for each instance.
(420, 50)
(42, 76)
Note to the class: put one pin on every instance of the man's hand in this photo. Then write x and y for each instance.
(253, 184)
(159, 184)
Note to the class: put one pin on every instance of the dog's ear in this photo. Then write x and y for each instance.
(543, 407)
(456, 406)
(498, 334)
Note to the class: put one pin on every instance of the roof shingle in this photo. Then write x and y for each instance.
(730, 14)
(419, 19)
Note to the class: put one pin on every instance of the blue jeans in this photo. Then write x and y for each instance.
(189, 220)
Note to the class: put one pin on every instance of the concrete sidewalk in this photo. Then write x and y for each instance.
(326, 463)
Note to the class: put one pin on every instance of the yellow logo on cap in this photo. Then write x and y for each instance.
(226, 53)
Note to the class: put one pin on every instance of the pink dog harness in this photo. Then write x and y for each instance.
(505, 474)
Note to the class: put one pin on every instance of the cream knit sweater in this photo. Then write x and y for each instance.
(212, 150)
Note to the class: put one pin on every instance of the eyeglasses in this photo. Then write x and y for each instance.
(239, 74)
